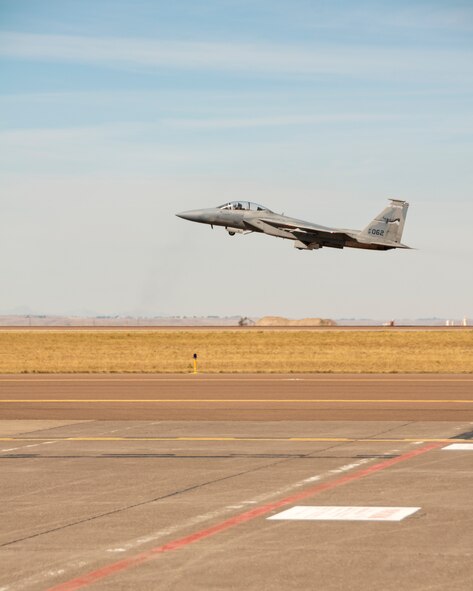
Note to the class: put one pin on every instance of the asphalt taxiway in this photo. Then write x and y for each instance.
(175, 492)
(238, 397)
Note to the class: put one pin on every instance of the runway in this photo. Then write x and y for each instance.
(168, 482)
(238, 397)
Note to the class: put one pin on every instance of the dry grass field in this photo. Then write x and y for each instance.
(231, 351)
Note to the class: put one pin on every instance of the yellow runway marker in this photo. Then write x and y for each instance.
(216, 378)
(241, 439)
(233, 400)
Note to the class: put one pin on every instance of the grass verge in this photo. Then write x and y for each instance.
(249, 351)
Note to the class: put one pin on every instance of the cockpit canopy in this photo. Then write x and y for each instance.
(244, 205)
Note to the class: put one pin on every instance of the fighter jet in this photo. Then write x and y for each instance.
(243, 217)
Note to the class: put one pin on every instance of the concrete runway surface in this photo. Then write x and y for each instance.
(100, 491)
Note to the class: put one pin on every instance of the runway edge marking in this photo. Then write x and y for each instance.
(216, 378)
(236, 400)
(244, 439)
(126, 563)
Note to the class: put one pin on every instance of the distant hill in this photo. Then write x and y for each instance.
(47, 320)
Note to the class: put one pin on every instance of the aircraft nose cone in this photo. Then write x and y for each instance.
(192, 216)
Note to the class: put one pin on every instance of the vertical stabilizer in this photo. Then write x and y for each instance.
(389, 224)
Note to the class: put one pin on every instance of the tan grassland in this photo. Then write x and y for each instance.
(233, 351)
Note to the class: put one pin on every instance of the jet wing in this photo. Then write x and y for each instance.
(268, 228)
(301, 231)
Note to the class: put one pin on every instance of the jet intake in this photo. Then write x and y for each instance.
(306, 246)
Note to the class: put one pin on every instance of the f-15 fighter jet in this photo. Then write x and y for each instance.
(242, 217)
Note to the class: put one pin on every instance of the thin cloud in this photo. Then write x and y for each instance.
(282, 121)
(373, 16)
(352, 61)
(74, 138)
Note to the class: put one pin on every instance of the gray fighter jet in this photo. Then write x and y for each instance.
(243, 217)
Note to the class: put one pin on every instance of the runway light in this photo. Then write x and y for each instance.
(195, 362)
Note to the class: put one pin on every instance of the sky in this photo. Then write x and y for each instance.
(116, 114)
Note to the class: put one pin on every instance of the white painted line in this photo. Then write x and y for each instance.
(346, 513)
(460, 447)
(24, 447)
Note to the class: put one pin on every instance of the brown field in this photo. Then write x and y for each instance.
(233, 351)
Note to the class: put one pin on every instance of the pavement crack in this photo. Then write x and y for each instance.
(142, 503)
(395, 428)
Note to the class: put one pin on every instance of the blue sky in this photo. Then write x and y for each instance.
(114, 115)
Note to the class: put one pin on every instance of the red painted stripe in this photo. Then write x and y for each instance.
(126, 563)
